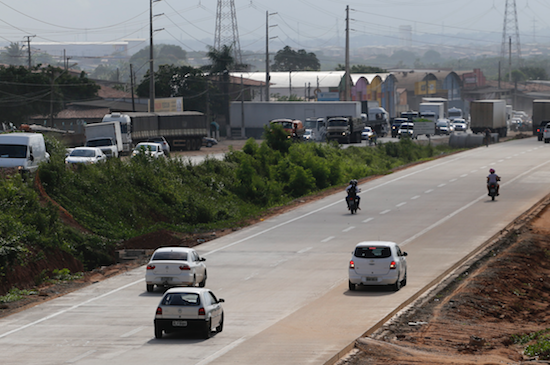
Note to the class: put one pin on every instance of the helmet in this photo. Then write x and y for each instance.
(354, 182)
(351, 182)
(492, 171)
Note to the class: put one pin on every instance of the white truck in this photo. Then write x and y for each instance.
(423, 127)
(437, 108)
(106, 136)
(488, 114)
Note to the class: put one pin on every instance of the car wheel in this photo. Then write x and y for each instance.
(202, 284)
(150, 287)
(158, 332)
(351, 286)
(397, 284)
(207, 330)
(194, 283)
(220, 326)
(404, 281)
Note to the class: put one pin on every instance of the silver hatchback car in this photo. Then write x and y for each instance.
(378, 263)
(195, 310)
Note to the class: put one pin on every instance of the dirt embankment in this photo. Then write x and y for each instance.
(472, 319)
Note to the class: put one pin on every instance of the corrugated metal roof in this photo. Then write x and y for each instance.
(298, 78)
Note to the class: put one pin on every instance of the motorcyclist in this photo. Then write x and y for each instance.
(352, 191)
(492, 178)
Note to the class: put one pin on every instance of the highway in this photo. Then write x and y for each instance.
(284, 280)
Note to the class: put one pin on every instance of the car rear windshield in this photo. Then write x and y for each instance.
(373, 252)
(181, 299)
(180, 256)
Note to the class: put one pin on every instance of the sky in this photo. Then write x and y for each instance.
(297, 23)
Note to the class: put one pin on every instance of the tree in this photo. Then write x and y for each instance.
(25, 92)
(14, 55)
(289, 60)
(165, 54)
(172, 81)
(362, 69)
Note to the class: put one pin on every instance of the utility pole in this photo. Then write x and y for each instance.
(132, 87)
(29, 47)
(151, 62)
(347, 90)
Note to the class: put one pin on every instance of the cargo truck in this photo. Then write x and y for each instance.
(379, 120)
(182, 130)
(344, 129)
(437, 108)
(541, 116)
(106, 136)
(488, 114)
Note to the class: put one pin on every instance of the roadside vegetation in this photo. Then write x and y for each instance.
(121, 199)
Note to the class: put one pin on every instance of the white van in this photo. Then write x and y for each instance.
(24, 151)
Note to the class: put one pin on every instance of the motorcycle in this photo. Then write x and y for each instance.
(492, 190)
(352, 204)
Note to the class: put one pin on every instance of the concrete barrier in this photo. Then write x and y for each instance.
(466, 140)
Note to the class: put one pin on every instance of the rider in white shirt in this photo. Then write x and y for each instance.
(493, 178)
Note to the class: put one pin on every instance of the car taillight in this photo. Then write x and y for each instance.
(159, 310)
(202, 312)
(150, 267)
(393, 265)
(185, 267)
(352, 264)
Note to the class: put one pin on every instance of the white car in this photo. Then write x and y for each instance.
(85, 155)
(151, 149)
(189, 309)
(308, 135)
(459, 125)
(366, 133)
(378, 263)
(175, 266)
(406, 130)
(546, 133)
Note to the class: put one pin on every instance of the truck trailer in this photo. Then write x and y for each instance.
(488, 114)
(183, 130)
(541, 116)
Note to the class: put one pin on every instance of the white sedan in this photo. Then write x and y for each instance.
(175, 266)
(378, 263)
(85, 155)
(189, 309)
(150, 149)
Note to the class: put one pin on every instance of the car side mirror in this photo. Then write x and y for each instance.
(221, 300)
(31, 157)
(202, 259)
(405, 254)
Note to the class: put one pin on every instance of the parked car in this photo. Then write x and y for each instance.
(151, 149)
(175, 266)
(459, 125)
(209, 141)
(443, 126)
(194, 310)
(406, 130)
(378, 263)
(396, 124)
(85, 155)
(163, 142)
(308, 135)
(366, 133)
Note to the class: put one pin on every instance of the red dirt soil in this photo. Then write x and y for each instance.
(472, 321)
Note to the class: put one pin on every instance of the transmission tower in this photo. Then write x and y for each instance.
(510, 33)
(227, 32)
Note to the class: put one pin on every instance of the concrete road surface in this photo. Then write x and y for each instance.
(285, 280)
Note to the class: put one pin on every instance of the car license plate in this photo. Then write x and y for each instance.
(179, 323)
(370, 279)
(166, 279)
